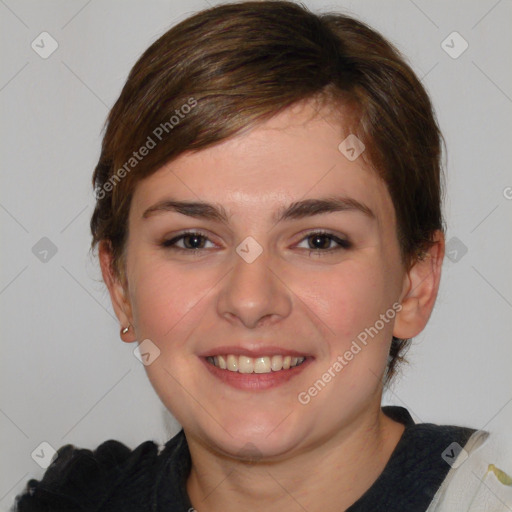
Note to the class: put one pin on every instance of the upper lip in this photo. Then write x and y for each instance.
(245, 351)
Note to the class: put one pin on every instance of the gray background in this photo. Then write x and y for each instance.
(65, 375)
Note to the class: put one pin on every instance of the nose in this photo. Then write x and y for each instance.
(254, 294)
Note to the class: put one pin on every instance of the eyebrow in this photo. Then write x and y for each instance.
(296, 210)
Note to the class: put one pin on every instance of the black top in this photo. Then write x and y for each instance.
(114, 478)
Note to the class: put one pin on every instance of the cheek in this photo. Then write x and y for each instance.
(162, 299)
(168, 306)
(347, 300)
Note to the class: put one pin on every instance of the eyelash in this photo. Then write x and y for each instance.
(342, 243)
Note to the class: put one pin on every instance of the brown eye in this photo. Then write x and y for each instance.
(190, 241)
(319, 242)
(194, 241)
(322, 242)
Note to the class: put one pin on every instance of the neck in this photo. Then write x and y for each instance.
(329, 476)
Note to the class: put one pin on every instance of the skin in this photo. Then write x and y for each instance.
(289, 297)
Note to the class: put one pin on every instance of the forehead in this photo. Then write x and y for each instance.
(294, 155)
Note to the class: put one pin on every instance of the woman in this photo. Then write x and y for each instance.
(269, 228)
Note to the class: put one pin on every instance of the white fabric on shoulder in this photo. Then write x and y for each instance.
(480, 479)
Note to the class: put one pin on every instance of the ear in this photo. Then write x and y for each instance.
(419, 292)
(117, 290)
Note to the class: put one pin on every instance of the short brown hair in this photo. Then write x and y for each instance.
(237, 64)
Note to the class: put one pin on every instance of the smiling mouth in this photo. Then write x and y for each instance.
(245, 364)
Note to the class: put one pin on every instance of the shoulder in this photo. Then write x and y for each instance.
(83, 480)
(480, 477)
(419, 463)
(435, 444)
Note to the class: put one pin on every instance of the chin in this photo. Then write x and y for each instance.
(266, 437)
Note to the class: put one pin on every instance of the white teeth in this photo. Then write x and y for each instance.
(264, 364)
(245, 364)
(276, 363)
(232, 363)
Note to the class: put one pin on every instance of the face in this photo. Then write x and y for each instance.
(291, 255)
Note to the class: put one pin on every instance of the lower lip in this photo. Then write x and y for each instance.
(256, 381)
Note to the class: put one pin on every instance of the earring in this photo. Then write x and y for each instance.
(125, 330)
